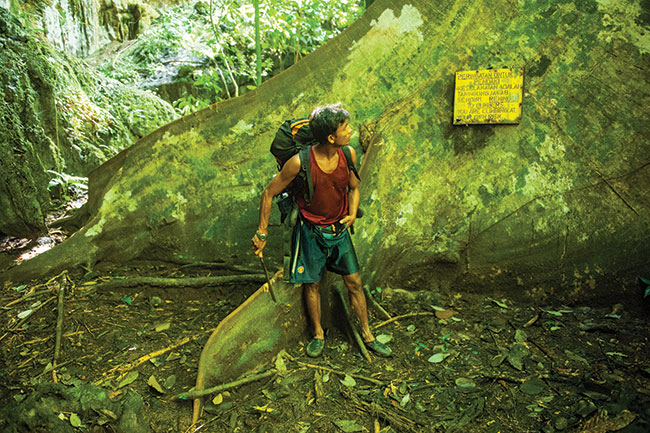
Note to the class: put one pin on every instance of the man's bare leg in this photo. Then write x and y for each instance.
(312, 299)
(358, 301)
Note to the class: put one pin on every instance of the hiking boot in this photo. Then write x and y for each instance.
(379, 348)
(315, 347)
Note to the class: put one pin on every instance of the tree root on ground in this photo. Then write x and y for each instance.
(222, 266)
(28, 295)
(353, 329)
(375, 304)
(181, 282)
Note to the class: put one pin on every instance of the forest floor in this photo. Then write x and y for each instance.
(465, 362)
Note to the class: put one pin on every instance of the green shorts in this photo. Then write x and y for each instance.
(313, 251)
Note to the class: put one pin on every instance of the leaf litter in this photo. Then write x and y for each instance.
(506, 366)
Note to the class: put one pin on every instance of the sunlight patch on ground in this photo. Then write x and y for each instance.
(42, 244)
(23, 249)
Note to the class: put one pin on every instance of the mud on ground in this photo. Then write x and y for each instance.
(462, 362)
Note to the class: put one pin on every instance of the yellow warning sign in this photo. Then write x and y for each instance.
(488, 96)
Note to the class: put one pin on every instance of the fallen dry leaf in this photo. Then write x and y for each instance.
(600, 423)
(444, 314)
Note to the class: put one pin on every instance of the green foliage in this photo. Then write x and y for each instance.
(445, 341)
(85, 119)
(67, 186)
(418, 346)
(22, 21)
(298, 27)
(210, 83)
(188, 104)
(221, 48)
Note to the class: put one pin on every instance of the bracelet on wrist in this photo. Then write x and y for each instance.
(261, 236)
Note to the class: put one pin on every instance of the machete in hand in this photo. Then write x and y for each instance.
(268, 280)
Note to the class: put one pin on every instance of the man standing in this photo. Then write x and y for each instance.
(321, 238)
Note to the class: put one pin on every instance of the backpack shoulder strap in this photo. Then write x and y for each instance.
(305, 168)
(348, 158)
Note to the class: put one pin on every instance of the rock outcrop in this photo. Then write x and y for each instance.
(58, 116)
(80, 27)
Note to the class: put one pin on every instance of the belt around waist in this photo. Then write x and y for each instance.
(332, 229)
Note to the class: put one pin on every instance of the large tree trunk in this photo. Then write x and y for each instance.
(555, 205)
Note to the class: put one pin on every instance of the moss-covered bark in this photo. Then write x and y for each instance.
(58, 115)
(554, 206)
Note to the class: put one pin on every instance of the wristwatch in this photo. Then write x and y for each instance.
(261, 236)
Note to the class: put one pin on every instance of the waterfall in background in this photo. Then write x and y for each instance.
(74, 30)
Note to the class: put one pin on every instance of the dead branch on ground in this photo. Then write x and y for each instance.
(123, 369)
(59, 326)
(28, 295)
(41, 340)
(396, 318)
(399, 422)
(33, 292)
(342, 373)
(22, 322)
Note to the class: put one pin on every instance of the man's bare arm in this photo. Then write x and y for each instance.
(275, 187)
(354, 194)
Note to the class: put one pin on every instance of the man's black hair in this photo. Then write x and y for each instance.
(325, 120)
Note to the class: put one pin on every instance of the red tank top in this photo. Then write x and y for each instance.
(330, 201)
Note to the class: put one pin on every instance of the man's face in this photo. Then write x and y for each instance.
(342, 135)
